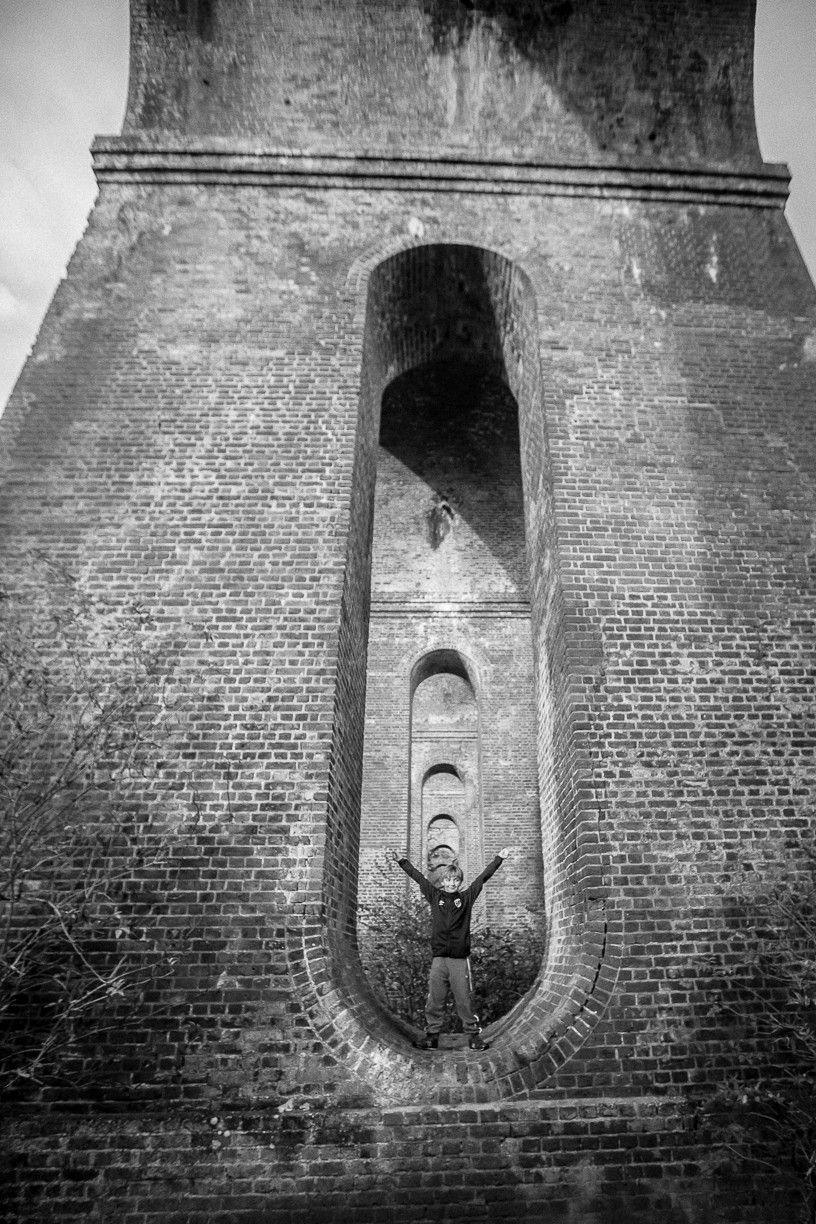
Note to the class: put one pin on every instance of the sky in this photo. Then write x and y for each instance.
(63, 80)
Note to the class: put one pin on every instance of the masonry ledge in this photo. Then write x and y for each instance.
(125, 159)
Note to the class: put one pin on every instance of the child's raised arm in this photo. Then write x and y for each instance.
(491, 868)
(508, 851)
(426, 887)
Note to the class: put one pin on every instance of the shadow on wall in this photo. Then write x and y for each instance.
(455, 426)
(642, 81)
(565, 80)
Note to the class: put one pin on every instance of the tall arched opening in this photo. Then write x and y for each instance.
(451, 675)
(450, 370)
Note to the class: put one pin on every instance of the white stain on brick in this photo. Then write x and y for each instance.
(713, 266)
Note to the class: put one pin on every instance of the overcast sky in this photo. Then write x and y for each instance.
(63, 77)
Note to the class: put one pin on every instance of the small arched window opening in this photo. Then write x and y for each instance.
(445, 790)
(443, 846)
(444, 812)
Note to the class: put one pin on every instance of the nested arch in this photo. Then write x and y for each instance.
(444, 843)
(445, 765)
(448, 305)
(443, 659)
(444, 769)
(444, 815)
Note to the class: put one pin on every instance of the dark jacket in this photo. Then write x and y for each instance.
(450, 912)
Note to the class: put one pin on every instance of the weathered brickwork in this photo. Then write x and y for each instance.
(562, 79)
(600, 1161)
(198, 429)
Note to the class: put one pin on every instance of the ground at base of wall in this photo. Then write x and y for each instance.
(577, 1161)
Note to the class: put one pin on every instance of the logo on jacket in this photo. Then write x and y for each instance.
(457, 902)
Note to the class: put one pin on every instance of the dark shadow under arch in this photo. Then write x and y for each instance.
(441, 769)
(437, 661)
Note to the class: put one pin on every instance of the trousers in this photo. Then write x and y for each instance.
(450, 973)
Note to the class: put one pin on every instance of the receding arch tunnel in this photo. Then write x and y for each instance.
(450, 354)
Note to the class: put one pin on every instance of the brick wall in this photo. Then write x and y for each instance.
(679, 451)
(570, 79)
(197, 428)
(612, 1161)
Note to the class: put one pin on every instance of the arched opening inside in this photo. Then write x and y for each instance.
(444, 775)
(443, 845)
(449, 759)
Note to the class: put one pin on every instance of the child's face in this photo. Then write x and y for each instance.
(449, 884)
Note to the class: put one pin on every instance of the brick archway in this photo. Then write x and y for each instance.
(412, 317)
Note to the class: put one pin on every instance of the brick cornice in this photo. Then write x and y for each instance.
(130, 159)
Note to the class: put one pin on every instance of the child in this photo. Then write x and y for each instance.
(450, 943)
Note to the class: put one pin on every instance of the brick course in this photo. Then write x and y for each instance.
(614, 1160)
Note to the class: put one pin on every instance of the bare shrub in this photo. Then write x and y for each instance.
(85, 720)
(765, 1115)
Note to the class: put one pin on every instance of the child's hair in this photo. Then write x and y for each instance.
(454, 872)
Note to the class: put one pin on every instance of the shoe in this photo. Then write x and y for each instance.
(429, 1042)
(477, 1042)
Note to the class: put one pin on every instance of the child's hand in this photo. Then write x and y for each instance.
(395, 855)
(508, 851)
